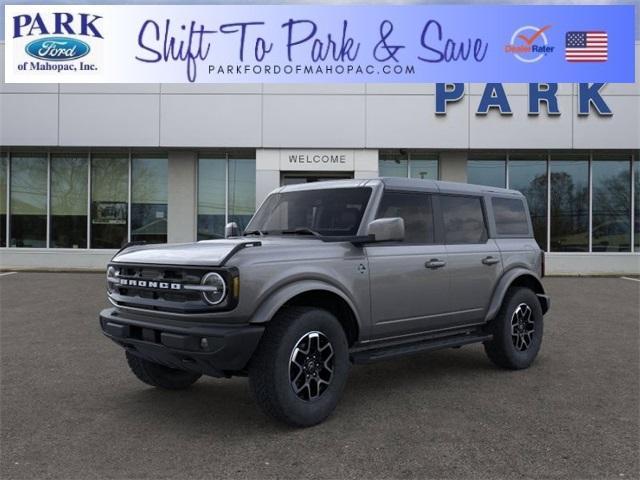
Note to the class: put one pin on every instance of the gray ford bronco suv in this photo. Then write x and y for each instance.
(328, 274)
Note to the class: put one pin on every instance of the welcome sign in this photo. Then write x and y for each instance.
(327, 44)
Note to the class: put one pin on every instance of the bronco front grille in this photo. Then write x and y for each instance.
(157, 287)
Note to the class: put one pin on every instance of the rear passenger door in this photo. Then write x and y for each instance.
(474, 261)
(409, 281)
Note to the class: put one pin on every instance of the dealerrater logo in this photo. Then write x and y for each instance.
(56, 38)
(529, 44)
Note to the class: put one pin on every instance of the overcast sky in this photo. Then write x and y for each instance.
(350, 2)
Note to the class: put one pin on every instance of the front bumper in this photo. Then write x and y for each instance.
(175, 344)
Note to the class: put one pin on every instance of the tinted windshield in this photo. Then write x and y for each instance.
(329, 212)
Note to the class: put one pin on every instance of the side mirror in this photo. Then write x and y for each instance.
(231, 230)
(386, 229)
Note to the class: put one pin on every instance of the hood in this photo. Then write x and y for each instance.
(212, 253)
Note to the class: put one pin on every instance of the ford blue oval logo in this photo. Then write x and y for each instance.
(57, 49)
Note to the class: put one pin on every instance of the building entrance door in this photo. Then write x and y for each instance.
(294, 178)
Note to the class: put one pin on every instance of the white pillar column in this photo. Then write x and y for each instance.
(267, 172)
(453, 166)
(183, 200)
(365, 164)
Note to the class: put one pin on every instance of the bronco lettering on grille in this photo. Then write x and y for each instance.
(129, 282)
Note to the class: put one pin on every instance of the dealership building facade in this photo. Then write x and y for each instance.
(86, 168)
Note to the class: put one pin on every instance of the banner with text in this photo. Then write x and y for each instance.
(320, 44)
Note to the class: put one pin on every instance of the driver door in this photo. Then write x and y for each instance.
(409, 280)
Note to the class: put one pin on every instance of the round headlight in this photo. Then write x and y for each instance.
(112, 272)
(215, 290)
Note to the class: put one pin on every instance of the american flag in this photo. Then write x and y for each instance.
(586, 47)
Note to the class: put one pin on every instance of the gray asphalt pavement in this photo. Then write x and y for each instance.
(70, 409)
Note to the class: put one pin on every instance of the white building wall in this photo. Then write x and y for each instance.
(356, 118)
(303, 116)
(592, 264)
(408, 120)
(107, 119)
(63, 259)
(208, 120)
(313, 121)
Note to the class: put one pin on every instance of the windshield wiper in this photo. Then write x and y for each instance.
(255, 232)
(303, 231)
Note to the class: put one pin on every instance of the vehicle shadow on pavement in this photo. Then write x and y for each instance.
(227, 404)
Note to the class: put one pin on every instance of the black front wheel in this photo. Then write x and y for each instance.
(517, 330)
(299, 371)
(160, 376)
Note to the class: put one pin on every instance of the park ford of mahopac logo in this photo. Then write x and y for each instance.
(54, 38)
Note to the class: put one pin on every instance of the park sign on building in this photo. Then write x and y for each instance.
(319, 44)
(494, 97)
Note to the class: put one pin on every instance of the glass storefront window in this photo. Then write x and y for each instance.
(486, 170)
(528, 174)
(423, 166)
(109, 197)
(399, 163)
(220, 202)
(393, 164)
(68, 207)
(212, 174)
(569, 203)
(611, 204)
(149, 196)
(242, 190)
(4, 161)
(28, 222)
(226, 193)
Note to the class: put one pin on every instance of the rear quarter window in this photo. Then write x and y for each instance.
(510, 216)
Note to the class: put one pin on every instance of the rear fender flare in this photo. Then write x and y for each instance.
(508, 278)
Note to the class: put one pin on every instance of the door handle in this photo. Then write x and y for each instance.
(490, 260)
(435, 263)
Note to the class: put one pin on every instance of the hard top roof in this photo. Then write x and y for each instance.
(402, 183)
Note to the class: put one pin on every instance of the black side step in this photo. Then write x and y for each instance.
(386, 353)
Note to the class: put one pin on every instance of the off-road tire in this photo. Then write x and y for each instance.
(270, 369)
(502, 350)
(160, 376)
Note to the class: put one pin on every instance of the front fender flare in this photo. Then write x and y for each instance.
(282, 295)
(505, 282)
